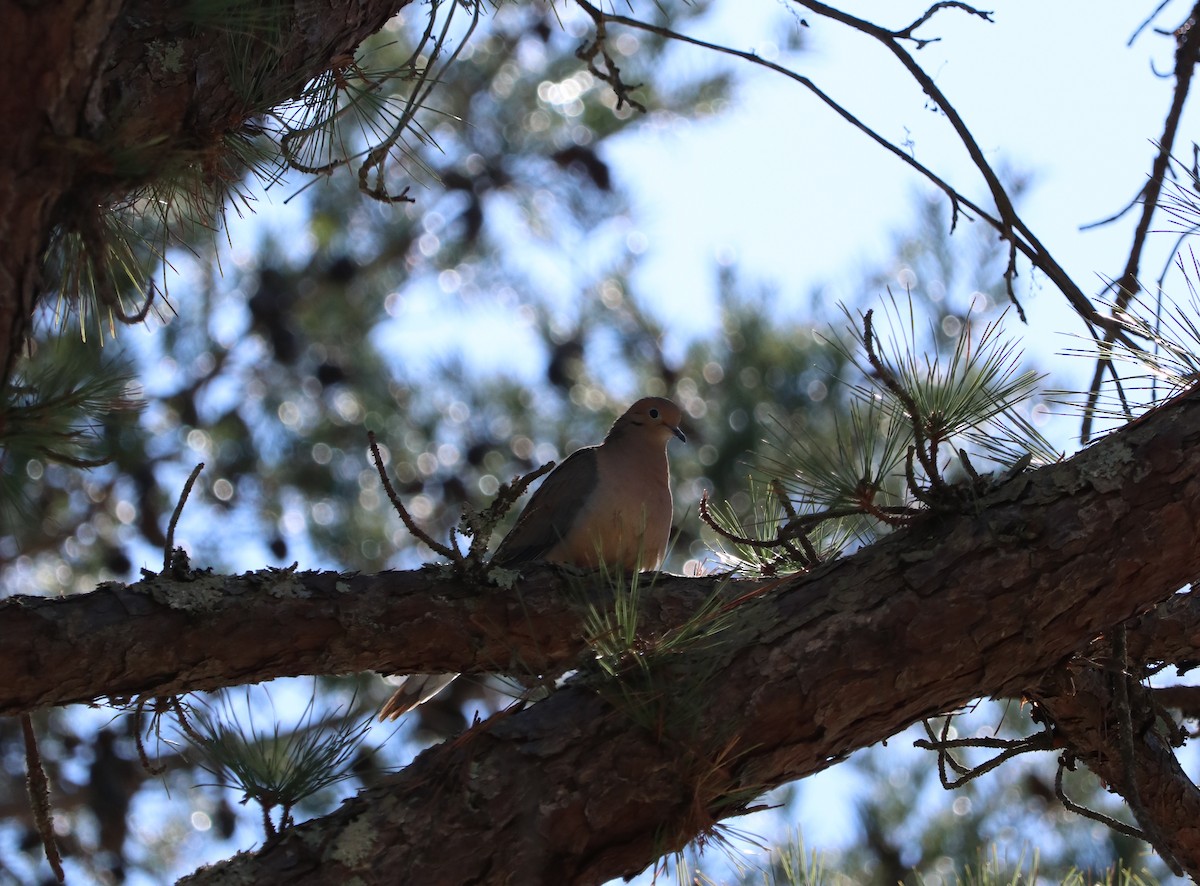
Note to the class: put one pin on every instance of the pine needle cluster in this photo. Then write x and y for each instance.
(275, 768)
(902, 448)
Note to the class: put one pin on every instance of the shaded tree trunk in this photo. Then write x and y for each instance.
(103, 95)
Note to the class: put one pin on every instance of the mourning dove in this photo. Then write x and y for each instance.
(608, 504)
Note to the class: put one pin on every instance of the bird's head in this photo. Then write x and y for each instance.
(652, 418)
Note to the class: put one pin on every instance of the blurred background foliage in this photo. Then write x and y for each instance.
(284, 338)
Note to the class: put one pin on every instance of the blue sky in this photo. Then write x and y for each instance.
(799, 197)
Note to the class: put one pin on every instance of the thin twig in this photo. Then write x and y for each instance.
(1146, 22)
(807, 557)
(969, 468)
(1041, 741)
(805, 522)
(1069, 804)
(1109, 219)
(884, 515)
(907, 33)
(1119, 826)
(181, 715)
(705, 514)
(910, 477)
(137, 316)
(143, 757)
(39, 798)
(1009, 224)
(169, 547)
(611, 75)
(409, 523)
(809, 550)
(944, 758)
(506, 497)
(1187, 55)
(798, 526)
(416, 100)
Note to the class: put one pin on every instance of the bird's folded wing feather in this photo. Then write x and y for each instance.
(552, 510)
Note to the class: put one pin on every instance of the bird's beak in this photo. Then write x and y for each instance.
(678, 433)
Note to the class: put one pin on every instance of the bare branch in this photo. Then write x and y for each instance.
(506, 497)
(611, 74)
(1081, 703)
(907, 33)
(1009, 748)
(1146, 22)
(1107, 820)
(39, 798)
(792, 530)
(1122, 685)
(452, 554)
(1187, 55)
(1008, 222)
(169, 547)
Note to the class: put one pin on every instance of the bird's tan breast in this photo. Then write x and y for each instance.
(625, 520)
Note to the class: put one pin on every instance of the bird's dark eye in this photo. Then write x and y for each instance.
(654, 413)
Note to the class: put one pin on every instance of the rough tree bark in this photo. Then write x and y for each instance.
(102, 93)
(602, 777)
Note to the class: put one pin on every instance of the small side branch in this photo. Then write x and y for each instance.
(1006, 221)
(791, 531)
(1009, 748)
(1065, 762)
(169, 547)
(1123, 747)
(907, 33)
(505, 498)
(39, 797)
(1122, 684)
(598, 46)
(478, 524)
(1187, 56)
(405, 517)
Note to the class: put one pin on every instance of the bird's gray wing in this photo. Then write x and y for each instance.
(551, 511)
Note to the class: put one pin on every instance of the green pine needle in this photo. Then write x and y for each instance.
(761, 522)
(1171, 361)
(276, 768)
(56, 401)
(864, 463)
(973, 393)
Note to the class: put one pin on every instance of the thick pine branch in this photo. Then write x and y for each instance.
(954, 607)
(168, 635)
